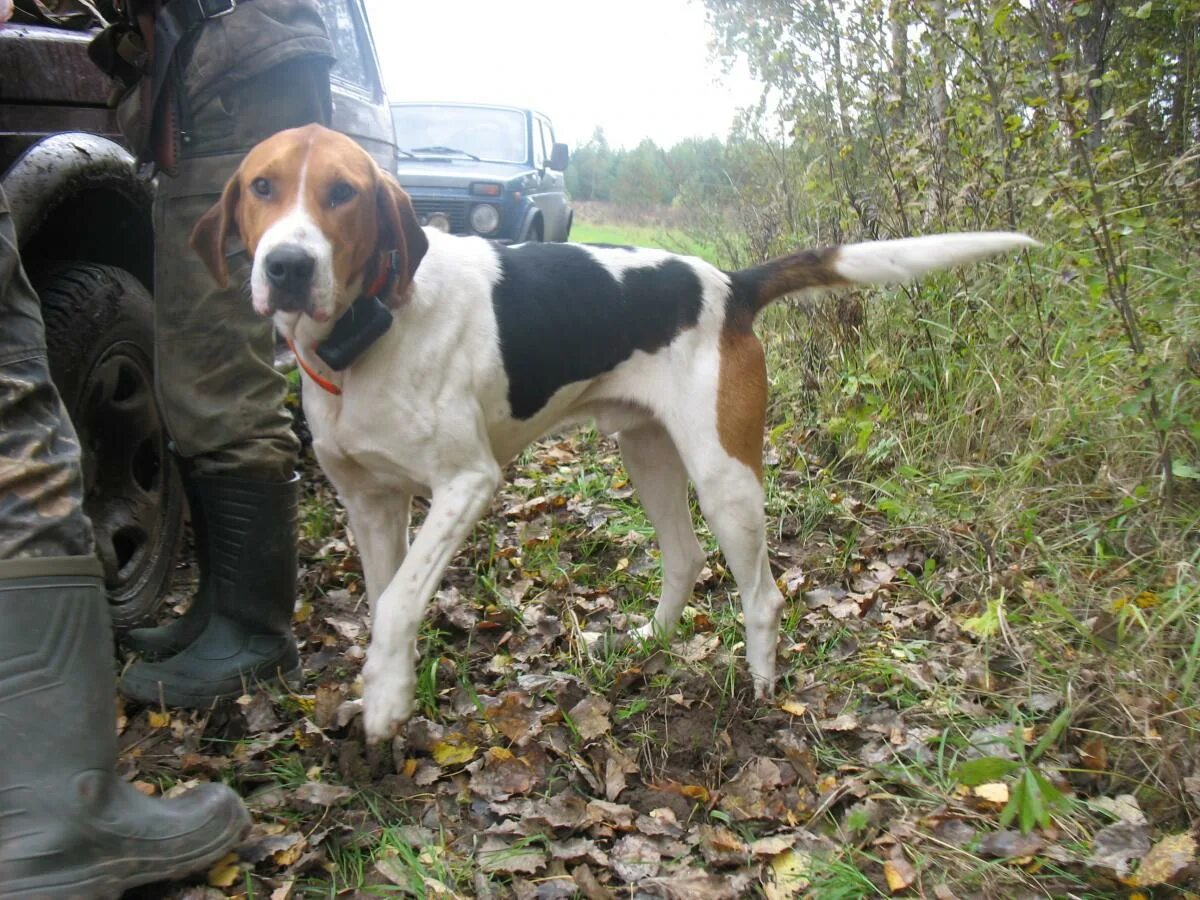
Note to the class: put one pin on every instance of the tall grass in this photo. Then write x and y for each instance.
(986, 415)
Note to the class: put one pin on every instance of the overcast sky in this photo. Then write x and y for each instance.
(638, 68)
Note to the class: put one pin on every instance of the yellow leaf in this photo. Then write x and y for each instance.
(622, 564)
(225, 871)
(695, 791)
(286, 857)
(787, 876)
(159, 719)
(1146, 599)
(794, 707)
(306, 702)
(446, 753)
(1165, 860)
(410, 767)
(899, 874)
(995, 792)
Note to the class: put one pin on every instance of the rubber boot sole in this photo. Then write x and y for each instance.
(152, 692)
(109, 879)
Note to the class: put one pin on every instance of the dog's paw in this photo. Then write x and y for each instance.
(764, 690)
(387, 705)
(647, 632)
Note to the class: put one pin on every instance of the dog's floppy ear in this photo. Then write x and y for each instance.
(399, 229)
(208, 237)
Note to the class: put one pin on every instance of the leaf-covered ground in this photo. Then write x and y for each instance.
(913, 749)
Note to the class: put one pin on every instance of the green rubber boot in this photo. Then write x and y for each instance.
(166, 640)
(251, 585)
(69, 827)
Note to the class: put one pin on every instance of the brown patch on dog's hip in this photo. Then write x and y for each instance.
(742, 396)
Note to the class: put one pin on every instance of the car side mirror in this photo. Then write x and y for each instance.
(558, 157)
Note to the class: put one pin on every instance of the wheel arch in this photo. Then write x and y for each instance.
(533, 220)
(78, 196)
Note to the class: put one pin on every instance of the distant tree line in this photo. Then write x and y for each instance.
(647, 175)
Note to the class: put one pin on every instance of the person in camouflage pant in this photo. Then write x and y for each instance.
(253, 72)
(69, 827)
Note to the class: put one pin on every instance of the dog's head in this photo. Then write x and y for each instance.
(318, 217)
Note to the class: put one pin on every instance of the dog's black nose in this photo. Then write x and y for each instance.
(289, 270)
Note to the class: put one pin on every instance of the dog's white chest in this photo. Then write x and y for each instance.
(375, 438)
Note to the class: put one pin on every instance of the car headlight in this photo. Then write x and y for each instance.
(484, 218)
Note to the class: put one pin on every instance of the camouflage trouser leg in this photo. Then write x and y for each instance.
(220, 394)
(41, 483)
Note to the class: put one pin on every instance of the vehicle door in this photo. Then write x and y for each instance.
(359, 105)
(551, 196)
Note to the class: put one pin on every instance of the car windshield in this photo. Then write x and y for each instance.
(472, 131)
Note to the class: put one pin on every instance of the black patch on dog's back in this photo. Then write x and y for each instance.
(563, 317)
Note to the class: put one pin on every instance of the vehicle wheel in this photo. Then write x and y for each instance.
(100, 337)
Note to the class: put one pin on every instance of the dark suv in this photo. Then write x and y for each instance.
(83, 220)
(494, 171)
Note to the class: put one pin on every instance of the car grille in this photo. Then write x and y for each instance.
(455, 209)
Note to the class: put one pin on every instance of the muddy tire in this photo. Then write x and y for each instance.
(100, 337)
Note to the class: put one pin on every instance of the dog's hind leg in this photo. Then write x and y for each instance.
(731, 499)
(723, 457)
(657, 472)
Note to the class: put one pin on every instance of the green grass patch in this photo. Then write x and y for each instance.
(637, 235)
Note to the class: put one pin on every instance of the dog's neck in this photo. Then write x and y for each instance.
(326, 350)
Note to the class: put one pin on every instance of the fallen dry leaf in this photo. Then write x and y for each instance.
(748, 796)
(514, 717)
(1123, 807)
(693, 884)
(320, 794)
(590, 717)
(225, 871)
(843, 722)
(500, 775)
(497, 855)
(1010, 844)
(634, 858)
(159, 719)
(772, 846)
(455, 750)
(794, 707)
(1166, 860)
(616, 766)
(721, 847)
(787, 877)
(899, 872)
(1113, 847)
(994, 792)
(1093, 755)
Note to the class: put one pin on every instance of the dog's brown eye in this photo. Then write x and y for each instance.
(341, 193)
(261, 187)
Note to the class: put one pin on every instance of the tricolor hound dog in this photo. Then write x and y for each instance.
(490, 347)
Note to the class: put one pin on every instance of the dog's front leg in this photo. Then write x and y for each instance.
(380, 526)
(389, 677)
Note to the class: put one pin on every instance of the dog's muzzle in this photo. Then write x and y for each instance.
(289, 270)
